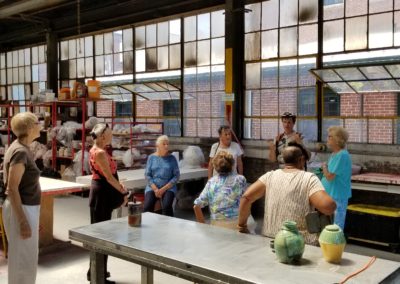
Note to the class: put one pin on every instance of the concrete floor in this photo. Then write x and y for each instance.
(69, 263)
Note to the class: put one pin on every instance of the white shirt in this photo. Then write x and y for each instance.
(234, 149)
(287, 197)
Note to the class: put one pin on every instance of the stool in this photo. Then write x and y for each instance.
(3, 232)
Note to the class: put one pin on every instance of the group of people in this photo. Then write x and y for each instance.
(290, 192)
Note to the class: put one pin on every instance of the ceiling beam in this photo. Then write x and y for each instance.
(20, 7)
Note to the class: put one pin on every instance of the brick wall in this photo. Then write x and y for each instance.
(380, 104)
(269, 102)
(368, 129)
(104, 108)
(380, 131)
(149, 108)
(350, 105)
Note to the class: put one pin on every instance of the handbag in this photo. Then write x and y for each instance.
(316, 221)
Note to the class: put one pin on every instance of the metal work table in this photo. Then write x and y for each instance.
(376, 182)
(136, 178)
(208, 254)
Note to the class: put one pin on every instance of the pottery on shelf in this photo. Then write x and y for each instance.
(289, 243)
(332, 242)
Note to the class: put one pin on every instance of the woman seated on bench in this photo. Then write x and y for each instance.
(162, 174)
(222, 193)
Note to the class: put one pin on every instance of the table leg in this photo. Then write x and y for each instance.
(46, 221)
(97, 268)
(147, 275)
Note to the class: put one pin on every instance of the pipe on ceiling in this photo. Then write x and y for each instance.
(26, 6)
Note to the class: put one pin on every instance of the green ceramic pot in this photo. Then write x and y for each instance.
(332, 234)
(332, 242)
(289, 243)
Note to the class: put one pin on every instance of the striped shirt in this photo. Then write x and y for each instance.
(287, 198)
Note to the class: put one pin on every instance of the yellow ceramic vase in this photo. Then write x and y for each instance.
(332, 253)
(332, 242)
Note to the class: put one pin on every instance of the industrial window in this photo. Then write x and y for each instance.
(280, 47)
(204, 73)
(76, 60)
(157, 46)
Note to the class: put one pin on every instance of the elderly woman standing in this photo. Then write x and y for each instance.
(104, 182)
(21, 208)
(337, 173)
(222, 193)
(162, 174)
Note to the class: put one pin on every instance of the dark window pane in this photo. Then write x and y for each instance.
(331, 103)
(151, 59)
(306, 102)
(171, 107)
(123, 108)
(64, 50)
(190, 54)
(72, 69)
(140, 37)
(128, 62)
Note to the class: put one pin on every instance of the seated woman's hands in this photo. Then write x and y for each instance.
(160, 192)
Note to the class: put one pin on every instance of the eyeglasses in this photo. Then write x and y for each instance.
(105, 128)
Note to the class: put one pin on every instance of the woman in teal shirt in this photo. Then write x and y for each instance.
(337, 173)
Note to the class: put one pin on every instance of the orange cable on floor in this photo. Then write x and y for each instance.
(371, 261)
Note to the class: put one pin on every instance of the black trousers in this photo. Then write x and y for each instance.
(150, 200)
(100, 214)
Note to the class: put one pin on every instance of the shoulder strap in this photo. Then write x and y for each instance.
(276, 144)
(216, 149)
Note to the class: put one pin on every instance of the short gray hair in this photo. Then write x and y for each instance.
(22, 122)
(161, 139)
(340, 135)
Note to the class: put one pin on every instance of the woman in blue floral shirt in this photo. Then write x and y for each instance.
(222, 193)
